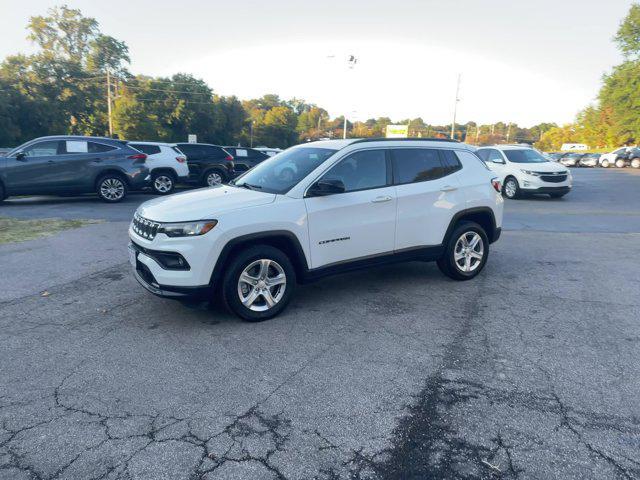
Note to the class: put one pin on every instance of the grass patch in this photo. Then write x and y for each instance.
(15, 230)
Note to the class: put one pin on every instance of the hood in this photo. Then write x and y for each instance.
(543, 167)
(204, 203)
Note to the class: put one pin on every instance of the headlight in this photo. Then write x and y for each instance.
(187, 229)
(529, 172)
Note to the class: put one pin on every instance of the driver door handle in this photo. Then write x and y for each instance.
(448, 188)
(381, 199)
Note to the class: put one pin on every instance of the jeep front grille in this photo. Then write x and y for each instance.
(145, 228)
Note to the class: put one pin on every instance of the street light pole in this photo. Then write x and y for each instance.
(455, 109)
(251, 134)
(351, 62)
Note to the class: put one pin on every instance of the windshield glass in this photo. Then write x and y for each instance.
(282, 172)
(525, 155)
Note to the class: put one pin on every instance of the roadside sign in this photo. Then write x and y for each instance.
(192, 138)
(397, 131)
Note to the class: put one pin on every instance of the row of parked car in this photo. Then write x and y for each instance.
(71, 165)
(621, 157)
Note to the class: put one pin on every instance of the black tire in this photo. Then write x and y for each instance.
(507, 192)
(163, 183)
(119, 184)
(213, 171)
(447, 263)
(232, 287)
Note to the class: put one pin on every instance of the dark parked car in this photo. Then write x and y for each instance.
(245, 158)
(208, 164)
(589, 160)
(571, 159)
(67, 165)
(633, 157)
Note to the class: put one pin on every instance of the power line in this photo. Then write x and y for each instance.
(168, 90)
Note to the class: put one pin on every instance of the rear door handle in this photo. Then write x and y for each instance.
(448, 188)
(381, 199)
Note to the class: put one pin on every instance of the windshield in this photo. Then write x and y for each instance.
(525, 155)
(282, 172)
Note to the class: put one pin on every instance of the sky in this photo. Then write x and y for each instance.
(522, 62)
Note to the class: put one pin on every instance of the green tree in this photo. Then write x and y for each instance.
(628, 36)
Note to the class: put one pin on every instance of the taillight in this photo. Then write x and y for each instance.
(229, 158)
(496, 184)
(138, 156)
(181, 159)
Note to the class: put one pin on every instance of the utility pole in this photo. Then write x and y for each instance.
(109, 103)
(251, 133)
(455, 109)
(351, 62)
(477, 133)
(508, 131)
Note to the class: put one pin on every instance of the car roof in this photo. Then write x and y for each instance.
(80, 137)
(423, 142)
(160, 144)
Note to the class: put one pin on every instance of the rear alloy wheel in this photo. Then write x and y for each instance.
(466, 252)
(605, 163)
(620, 163)
(163, 183)
(258, 283)
(213, 178)
(511, 189)
(635, 163)
(112, 188)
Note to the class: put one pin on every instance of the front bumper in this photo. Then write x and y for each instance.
(145, 277)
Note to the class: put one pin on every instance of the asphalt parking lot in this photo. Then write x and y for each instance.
(532, 370)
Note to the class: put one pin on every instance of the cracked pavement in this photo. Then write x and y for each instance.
(529, 371)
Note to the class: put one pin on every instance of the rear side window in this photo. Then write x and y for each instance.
(148, 149)
(99, 147)
(416, 165)
(494, 155)
(211, 151)
(450, 160)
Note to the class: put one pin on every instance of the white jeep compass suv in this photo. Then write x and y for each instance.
(343, 204)
(523, 170)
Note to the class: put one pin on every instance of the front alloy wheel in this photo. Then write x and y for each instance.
(635, 163)
(262, 285)
(511, 188)
(620, 163)
(258, 282)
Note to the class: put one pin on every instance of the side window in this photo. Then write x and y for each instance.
(495, 155)
(76, 146)
(451, 161)
(361, 170)
(483, 154)
(189, 150)
(43, 149)
(212, 151)
(99, 147)
(416, 165)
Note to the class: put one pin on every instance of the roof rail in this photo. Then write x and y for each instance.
(414, 139)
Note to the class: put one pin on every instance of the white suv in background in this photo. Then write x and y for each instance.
(524, 170)
(347, 204)
(167, 164)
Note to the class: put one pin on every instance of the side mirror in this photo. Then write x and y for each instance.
(326, 187)
(21, 157)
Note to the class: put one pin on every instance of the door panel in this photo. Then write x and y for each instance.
(361, 221)
(428, 196)
(351, 225)
(33, 174)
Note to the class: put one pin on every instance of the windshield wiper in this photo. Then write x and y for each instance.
(251, 187)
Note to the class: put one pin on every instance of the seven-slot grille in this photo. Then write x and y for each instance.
(145, 228)
(553, 177)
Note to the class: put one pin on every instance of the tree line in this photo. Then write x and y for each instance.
(614, 119)
(65, 86)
